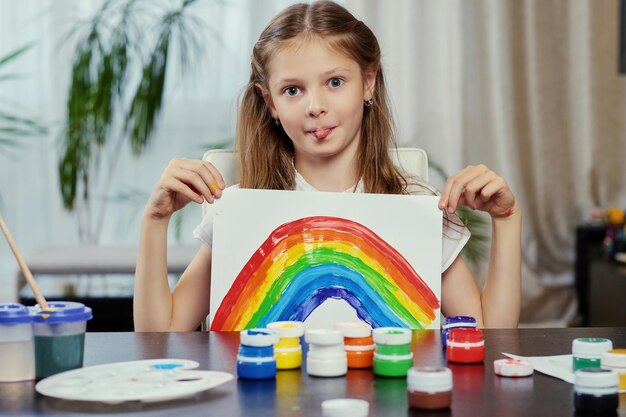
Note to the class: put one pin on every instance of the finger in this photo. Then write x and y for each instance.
(196, 181)
(457, 186)
(183, 189)
(219, 180)
(209, 178)
(498, 188)
(215, 181)
(474, 189)
(448, 187)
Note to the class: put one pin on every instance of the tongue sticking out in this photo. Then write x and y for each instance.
(322, 133)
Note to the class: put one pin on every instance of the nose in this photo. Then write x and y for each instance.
(317, 104)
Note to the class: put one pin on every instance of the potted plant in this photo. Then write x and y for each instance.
(112, 101)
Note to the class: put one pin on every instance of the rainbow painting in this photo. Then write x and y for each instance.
(304, 262)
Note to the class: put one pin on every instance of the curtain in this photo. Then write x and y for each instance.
(531, 89)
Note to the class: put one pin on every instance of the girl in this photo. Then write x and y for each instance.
(314, 116)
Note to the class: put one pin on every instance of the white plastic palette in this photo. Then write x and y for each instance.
(147, 381)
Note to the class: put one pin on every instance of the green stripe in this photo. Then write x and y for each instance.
(325, 256)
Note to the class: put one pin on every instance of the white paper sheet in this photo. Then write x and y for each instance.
(558, 366)
(245, 220)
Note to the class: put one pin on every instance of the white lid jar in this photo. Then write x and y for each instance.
(326, 356)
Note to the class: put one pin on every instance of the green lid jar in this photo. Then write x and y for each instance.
(587, 352)
(393, 356)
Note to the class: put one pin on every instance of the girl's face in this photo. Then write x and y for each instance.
(318, 94)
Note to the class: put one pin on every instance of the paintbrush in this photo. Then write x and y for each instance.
(20, 260)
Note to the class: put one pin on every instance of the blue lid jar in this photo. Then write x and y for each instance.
(255, 359)
(14, 313)
(60, 312)
(454, 322)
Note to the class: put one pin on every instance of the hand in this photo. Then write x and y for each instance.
(183, 181)
(479, 188)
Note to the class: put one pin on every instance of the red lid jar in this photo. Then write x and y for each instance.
(465, 346)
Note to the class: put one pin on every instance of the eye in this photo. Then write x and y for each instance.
(335, 82)
(291, 91)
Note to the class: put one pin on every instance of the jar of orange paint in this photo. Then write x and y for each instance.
(358, 343)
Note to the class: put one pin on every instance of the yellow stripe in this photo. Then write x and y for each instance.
(288, 258)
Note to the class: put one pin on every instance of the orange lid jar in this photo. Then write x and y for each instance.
(358, 343)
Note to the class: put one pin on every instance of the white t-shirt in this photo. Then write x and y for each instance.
(455, 235)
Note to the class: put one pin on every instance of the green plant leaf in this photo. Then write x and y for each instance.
(9, 77)
(13, 126)
(15, 54)
(147, 101)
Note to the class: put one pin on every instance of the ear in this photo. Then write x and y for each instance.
(267, 97)
(369, 83)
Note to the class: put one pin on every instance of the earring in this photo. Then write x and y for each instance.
(369, 103)
(276, 122)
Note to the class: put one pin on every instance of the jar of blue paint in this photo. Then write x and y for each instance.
(596, 391)
(256, 359)
(455, 322)
(59, 337)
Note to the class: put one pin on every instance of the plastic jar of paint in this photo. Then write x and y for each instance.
(59, 337)
(587, 352)
(455, 322)
(17, 348)
(595, 391)
(326, 356)
(616, 360)
(288, 350)
(465, 346)
(256, 359)
(512, 368)
(393, 356)
(358, 343)
(429, 387)
(342, 407)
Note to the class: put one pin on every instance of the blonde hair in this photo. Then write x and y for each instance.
(266, 152)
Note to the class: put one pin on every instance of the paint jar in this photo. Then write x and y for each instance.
(429, 387)
(326, 356)
(595, 391)
(256, 359)
(393, 356)
(358, 343)
(587, 352)
(17, 348)
(465, 346)
(288, 350)
(616, 360)
(454, 322)
(59, 337)
(512, 368)
(342, 407)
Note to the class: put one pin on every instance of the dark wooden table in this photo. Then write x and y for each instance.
(477, 390)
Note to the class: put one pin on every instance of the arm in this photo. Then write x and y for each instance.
(499, 304)
(501, 293)
(155, 308)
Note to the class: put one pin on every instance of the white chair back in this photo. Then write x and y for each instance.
(413, 161)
